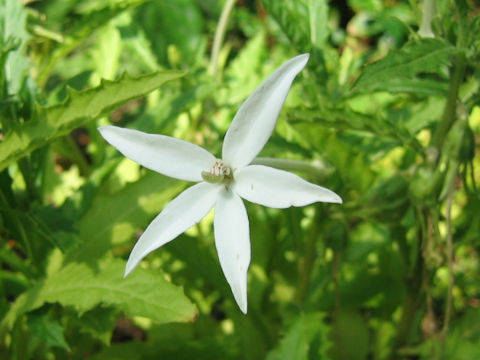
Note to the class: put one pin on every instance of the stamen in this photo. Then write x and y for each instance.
(218, 173)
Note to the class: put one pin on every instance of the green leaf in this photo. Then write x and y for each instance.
(50, 331)
(163, 17)
(12, 30)
(318, 20)
(248, 60)
(416, 57)
(305, 339)
(79, 108)
(176, 348)
(294, 20)
(142, 293)
(305, 22)
(350, 335)
(98, 322)
(113, 219)
(417, 86)
(79, 20)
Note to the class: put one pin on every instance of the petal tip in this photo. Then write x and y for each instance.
(129, 268)
(243, 309)
(304, 56)
(301, 60)
(242, 303)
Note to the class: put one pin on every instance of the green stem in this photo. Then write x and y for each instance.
(219, 35)
(410, 306)
(77, 156)
(451, 276)
(17, 224)
(15, 263)
(457, 74)
(413, 282)
(26, 171)
(306, 262)
(450, 112)
(9, 122)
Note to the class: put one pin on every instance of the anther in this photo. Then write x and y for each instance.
(218, 173)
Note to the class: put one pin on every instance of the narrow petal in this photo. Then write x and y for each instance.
(168, 156)
(179, 215)
(232, 240)
(278, 188)
(255, 120)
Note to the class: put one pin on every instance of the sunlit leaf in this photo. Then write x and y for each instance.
(143, 293)
(416, 57)
(79, 108)
(350, 336)
(13, 30)
(114, 218)
(307, 338)
(51, 332)
(293, 18)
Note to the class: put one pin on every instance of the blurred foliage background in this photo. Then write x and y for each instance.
(386, 114)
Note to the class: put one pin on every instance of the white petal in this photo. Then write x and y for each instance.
(168, 156)
(278, 188)
(179, 215)
(255, 120)
(232, 240)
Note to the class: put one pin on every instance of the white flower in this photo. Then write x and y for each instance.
(222, 183)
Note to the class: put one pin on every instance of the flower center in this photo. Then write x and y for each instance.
(219, 173)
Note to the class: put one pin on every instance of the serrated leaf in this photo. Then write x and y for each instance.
(307, 338)
(416, 86)
(50, 331)
(88, 16)
(79, 108)
(99, 322)
(420, 56)
(293, 18)
(142, 293)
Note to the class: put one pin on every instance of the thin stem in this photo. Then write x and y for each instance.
(306, 264)
(472, 177)
(220, 35)
(15, 263)
(338, 338)
(428, 321)
(26, 171)
(77, 156)
(427, 254)
(449, 114)
(457, 73)
(451, 276)
(412, 299)
(16, 223)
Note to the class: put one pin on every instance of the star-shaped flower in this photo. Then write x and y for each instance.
(222, 183)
